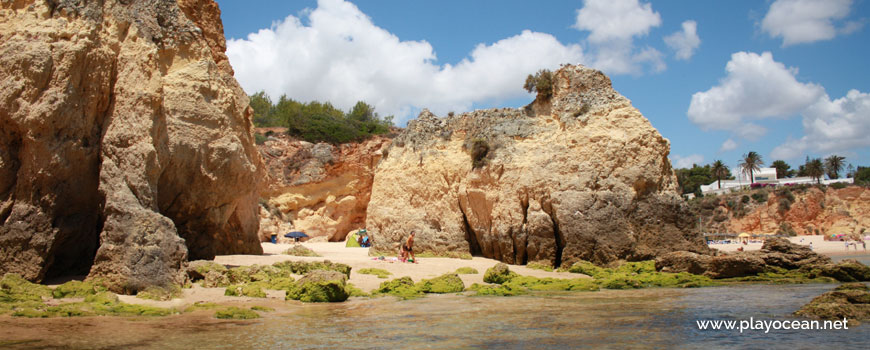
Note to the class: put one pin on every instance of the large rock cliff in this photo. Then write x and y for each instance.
(125, 141)
(579, 175)
(788, 210)
(320, 189)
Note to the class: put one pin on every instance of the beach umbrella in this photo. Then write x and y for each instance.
(296, 235)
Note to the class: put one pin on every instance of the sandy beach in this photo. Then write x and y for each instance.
(819, 245)
(357, 258)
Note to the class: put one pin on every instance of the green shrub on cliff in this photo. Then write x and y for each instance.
(541, 82)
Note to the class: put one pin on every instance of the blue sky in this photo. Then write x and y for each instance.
(767, 76)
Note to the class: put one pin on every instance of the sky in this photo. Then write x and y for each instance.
(786, 78)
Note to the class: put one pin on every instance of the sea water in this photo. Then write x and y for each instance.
(634, 319)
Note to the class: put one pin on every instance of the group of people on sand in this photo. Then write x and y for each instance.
(855, 245)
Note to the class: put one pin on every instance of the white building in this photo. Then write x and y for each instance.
(762, 176)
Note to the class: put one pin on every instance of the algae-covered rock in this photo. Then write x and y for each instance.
(848, 270)
(586, 268)
(303, 267)
(849, 301)
(498, 274)
(197, 270)
(381, 273)
(215, 279)
(13, 288)
(403, 287)
(494, 290)
(543, 266)
(300, 250)
(74, 289)
(160, 293)
(466, 271)
(682, 261)
(236, 313)
(245, 290)
(448, 283)
(353, 291)
(320, 286)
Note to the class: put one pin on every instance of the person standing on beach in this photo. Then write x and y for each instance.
(408, 248)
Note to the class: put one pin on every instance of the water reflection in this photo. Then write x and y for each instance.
(651, 318)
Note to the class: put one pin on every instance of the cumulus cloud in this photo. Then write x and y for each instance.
(613, 25)
(684, 42)
(728, 145)
(755, 87)
(837, 126)
(807, 21)
(679, 161)
(342, 57)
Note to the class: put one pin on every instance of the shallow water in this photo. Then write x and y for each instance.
(641, 319)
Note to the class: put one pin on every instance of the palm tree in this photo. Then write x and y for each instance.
(782, 168)
(751, 162)
(719, 170)
(833, 165)
(815, 169)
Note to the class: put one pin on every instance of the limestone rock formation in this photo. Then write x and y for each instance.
(125, 141)
(788, 210)
(580, 175)
(320, 189)
(776, 253)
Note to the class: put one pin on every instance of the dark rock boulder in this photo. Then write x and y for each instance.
(850, 301)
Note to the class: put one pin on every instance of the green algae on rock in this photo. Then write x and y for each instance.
(245, 290)
(160, 293)
(466, 271)
(402, 287)
(498, 274)
(236, 313)
(320, 286)
(850, 301)
(447, 283)
(300, 250)
(381, 273)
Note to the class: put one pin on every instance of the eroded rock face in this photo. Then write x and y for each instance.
(124, 141)
(776, 253)
(582, 175)
(320, 189)
(789, 210)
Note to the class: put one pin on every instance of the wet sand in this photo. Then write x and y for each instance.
(818, 243)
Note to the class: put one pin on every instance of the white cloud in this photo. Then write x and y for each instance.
(728, 145)
(609, 20)
(613, 26)
(756, 87)
(684, 42)
(838, 126)
(342, 57)
(687, 161)
(806, 21)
